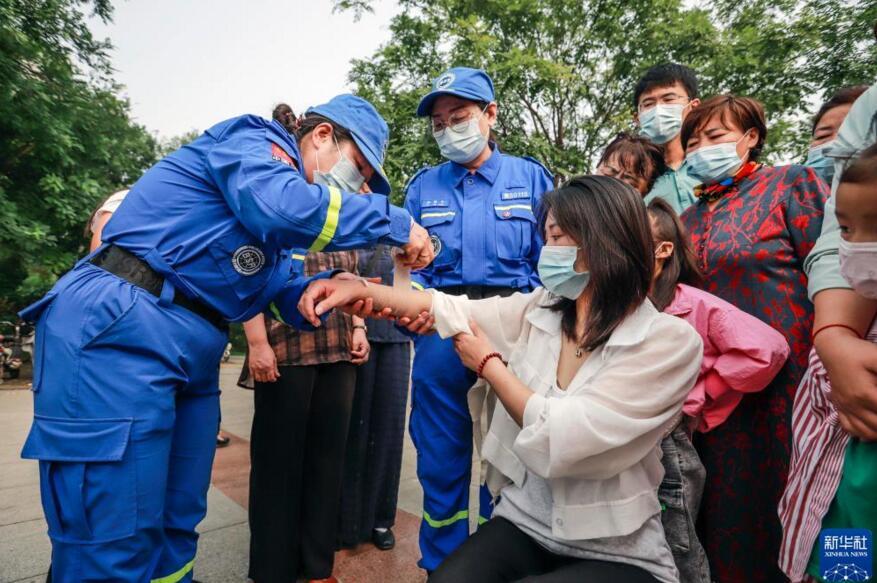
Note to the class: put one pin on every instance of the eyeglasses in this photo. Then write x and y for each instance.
(665, 99)
(458, 122)
(607, 170)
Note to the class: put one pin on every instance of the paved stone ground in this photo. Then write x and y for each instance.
(222, 552)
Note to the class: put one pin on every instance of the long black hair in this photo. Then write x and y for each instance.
(608, 219)
(681, 266)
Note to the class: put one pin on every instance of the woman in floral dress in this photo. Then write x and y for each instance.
(751, 228)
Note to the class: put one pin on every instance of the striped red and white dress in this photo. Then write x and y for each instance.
(818, 446)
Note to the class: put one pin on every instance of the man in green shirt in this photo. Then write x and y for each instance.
(662, 98)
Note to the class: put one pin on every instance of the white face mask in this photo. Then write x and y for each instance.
(344, 174)
(858, 266)
(463, 142)
(661, 123)
(557, 271)
(711, 164)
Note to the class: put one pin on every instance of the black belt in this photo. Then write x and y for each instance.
(135, 271)
(478, 292)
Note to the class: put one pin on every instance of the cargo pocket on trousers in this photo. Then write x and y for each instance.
(88, 489)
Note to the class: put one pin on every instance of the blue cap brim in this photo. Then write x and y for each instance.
(378, 182)
(425, 107)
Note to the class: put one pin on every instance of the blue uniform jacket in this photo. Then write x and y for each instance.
(218, 217)
(483, 226)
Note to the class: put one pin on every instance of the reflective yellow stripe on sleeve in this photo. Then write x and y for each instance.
(178, 576)
(331, 224)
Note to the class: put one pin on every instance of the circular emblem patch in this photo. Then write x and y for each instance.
(436, 244)
(444, 81)
(248, 260)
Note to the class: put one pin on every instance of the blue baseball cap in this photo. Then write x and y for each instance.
(369, 130)
(466, 83)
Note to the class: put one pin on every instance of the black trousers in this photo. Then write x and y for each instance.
(374, 444)
(297, 456)
(500, 552)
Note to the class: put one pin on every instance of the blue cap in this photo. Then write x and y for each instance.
(369, 130)
(466, 83)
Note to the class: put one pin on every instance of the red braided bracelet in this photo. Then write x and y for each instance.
(827, 326)
(484, 362)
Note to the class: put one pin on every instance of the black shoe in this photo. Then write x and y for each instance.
(222, 440)
(384, 540)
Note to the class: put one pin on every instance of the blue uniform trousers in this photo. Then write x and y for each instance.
(126, 409)
(441, 429)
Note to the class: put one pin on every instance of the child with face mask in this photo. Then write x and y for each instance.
(833, 476)
(741, 355)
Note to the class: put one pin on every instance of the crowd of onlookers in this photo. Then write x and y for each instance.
(667, 366)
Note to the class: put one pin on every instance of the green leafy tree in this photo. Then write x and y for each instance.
(565, 69)
(66, 139)
(174, 143)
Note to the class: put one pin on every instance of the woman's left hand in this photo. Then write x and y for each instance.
(472, 348)
(359, 347)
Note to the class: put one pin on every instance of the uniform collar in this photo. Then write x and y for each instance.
(631, 331)
(489, 170)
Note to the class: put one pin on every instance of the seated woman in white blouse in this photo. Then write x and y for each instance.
(595, 377)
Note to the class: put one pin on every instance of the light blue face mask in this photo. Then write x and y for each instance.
(463, 142)
(344, 174)
(711, 164)
(556, 269)
(661, 123)
(821, 164)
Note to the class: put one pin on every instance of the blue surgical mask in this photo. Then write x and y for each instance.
(661, 123)
(821, 164)
(711, 164)
(463, 142)
(344, 174)
(558, 274)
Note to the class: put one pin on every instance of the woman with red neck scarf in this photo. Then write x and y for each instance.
(751, 229)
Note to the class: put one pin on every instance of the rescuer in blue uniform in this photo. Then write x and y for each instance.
(479, 208)
(126, 374)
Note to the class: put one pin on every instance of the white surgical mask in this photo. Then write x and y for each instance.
(344, 174)
(711, 164)
(463, 142)
(858, 266)
(557, 271)
(661, 123)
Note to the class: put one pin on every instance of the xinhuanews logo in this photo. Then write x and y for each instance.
(846, 554)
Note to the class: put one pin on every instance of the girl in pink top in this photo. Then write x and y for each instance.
(741, 354)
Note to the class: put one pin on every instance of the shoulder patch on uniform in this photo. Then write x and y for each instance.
(279, 154)
(248, 260)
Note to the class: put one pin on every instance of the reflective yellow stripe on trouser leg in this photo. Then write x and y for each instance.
(331, 224)
(178, 576)
(461, 515)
